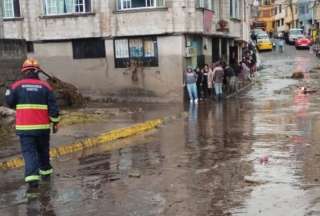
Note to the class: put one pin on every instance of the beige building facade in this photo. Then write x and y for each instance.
(292, 15)
(129, 47)
(279, 16)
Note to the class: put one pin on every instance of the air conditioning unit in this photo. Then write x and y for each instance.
(190, 51)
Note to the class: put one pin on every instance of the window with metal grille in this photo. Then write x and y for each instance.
(207, 4)
(142, 50)
(11, 8)
(136, 4)
(60, 7)
(88, 48)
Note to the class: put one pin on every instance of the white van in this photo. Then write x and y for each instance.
(294, 34)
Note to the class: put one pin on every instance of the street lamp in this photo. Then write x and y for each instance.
(255, 3)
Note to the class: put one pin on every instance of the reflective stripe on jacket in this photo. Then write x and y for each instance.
(35, 106)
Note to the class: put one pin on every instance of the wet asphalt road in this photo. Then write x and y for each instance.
(255, 155)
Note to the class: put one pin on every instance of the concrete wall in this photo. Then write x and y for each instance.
(316, 13)
(12, 54)
(100, 77)
(34, 26)
(1, 21)
(245, 17)
(105, 21)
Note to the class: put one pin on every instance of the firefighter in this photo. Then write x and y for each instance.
(36, 112)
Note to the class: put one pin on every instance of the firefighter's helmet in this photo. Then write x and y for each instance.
(30, 63)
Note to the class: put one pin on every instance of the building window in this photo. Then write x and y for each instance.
(234, 9)
(11, 8)
(207, 4)
(59, 7)
(136, 4)
(30, 47)
(267, 2)
(88, 48)
(136, 50)
(301, 9)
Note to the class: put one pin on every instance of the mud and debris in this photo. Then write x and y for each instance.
(67, 94)
(7, 120)
(297, 75)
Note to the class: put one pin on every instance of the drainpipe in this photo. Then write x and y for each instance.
(220, 48)
(220, 18)
(220, 10)
(1, 21)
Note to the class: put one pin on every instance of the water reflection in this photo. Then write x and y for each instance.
(192, 132)
(41, 205)
(216, 136)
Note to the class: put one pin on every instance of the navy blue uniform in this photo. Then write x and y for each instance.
(36, 109)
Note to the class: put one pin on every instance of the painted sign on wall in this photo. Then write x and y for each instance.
(207, 21)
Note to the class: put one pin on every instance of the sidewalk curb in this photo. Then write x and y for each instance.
(244, 88)
(87, 143)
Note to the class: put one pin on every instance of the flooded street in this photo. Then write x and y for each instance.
(257, 154)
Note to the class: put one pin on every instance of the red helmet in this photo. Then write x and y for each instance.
(30, 64)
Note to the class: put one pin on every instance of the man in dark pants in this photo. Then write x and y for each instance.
(36, 110)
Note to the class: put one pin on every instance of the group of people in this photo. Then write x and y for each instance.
(200, 82)
(217, 79)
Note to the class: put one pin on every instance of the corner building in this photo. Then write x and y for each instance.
(128, 47)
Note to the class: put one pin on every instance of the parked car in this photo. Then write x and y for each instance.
(262, 35)
(255, 34)
(264, 43)
(303, 42)
(257, 31)
(294, 34)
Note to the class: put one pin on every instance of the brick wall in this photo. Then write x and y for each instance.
(12, 54)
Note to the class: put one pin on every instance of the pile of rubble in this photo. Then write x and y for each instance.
(297, 75)
(7, 119)
(67, 94)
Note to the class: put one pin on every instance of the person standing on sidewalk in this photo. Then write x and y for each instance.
(211, 81)
(36, 108)
(199, 74)
(218, 76)
(191, 81)
(205, 89)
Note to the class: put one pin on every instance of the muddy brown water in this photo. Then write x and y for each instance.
(255, 155)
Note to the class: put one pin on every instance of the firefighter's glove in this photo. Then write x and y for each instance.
(55, 127)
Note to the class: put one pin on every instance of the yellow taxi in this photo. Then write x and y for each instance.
(264, 43)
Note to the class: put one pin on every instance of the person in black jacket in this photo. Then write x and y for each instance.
(199, 73)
